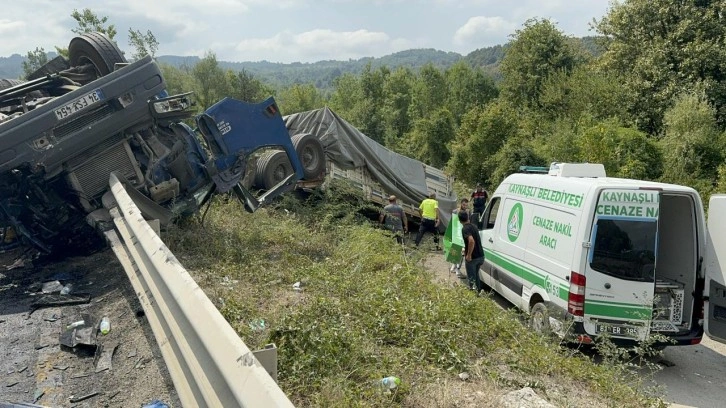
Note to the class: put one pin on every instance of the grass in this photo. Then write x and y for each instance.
(367, 310)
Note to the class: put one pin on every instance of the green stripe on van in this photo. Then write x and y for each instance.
(527, 274)
(593, 307)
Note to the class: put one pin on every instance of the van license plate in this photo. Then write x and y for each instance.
(618, 330)
(79, 104)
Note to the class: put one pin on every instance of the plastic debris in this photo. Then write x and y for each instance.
(156, 404)
(105, 325)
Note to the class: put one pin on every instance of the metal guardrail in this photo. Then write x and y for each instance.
(208, 362)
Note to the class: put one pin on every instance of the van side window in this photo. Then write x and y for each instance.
(625, 249)
(490, 214)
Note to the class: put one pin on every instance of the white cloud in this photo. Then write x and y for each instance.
(10, 26)
(320, 44)
(482, 31)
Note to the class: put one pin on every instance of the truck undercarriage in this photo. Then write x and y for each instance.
(77, 120)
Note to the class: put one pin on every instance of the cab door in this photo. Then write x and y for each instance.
(715, 261)
(620, 268)
(488, 232)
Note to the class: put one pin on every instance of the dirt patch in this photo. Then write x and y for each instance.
(42, 371)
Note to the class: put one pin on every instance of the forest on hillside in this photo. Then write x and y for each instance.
(646, 96)
(647, 99)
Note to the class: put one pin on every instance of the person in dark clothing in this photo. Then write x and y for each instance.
(394, 219)
(479, 202)
(473, 251)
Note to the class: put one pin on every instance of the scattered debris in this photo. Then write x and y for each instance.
(156, 404)
(464, 376)
(60, 367)
(297, 286)
(257, 324)
(84, 334)
(51, 287)
(12, 384)
(38, 395)
(104, 356)
(81, 375)
(83, 397)
(114, 394)
(132, 353)
(19, 263)
(41, 346)
(60, 300)
(66, 289)
(22, 369)
(51, 319)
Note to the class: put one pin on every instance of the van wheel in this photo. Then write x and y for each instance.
(539, 319)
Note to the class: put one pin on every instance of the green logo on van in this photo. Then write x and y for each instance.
(514, 223)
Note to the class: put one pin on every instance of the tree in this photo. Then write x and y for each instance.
(692, 144)
(398, 104)
(429, 92)
(535, 52)
(482, 133)
(34, 60)
(430, 138)
(625, 152)
(666, 46)
(88, 22)
(346, 96)
(245, 87)
(467, 88)
(300, 98)
(144, 44)
(210, 80)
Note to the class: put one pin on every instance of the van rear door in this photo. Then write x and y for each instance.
(715, 261)
(620, 267)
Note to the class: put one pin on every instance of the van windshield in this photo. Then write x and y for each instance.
(625, 249)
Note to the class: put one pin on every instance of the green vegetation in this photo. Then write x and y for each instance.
(368, 310)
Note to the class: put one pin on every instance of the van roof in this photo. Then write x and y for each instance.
(583, 184)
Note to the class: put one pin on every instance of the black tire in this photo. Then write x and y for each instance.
(272, 167)
(311, 154)
(95, 49)
(539, 319)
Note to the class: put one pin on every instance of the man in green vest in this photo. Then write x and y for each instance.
(429, 210)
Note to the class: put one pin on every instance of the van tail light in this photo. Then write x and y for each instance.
(576, 298)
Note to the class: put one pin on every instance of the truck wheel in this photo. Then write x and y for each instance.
(95, 49)
(539, 319)
(311, 154)
(272, 167)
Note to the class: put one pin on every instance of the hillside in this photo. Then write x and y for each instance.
(323, 73)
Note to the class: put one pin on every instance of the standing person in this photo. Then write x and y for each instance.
(429, 210)
(394, 219)
(479, 201)
(463, 207)
(473, 252)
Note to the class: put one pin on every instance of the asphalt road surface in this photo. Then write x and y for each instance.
(698, 376)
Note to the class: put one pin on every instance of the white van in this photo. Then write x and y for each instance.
(626, 257)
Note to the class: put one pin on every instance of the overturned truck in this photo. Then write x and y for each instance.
(76, 120)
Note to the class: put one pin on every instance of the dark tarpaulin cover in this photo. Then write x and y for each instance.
(349, 148)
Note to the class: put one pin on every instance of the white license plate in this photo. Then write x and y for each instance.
(618, 330)
(79, 104)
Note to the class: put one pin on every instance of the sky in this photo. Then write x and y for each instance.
(296, 30)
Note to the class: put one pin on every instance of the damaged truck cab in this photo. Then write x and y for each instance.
(77, 120)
